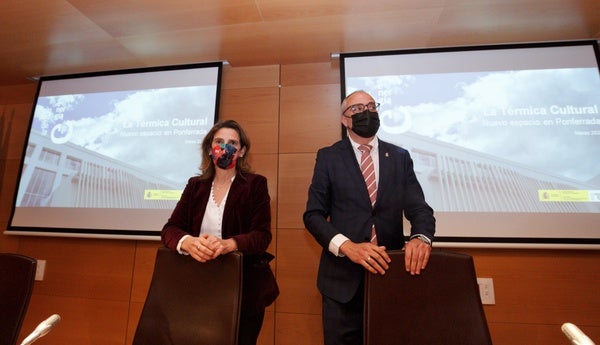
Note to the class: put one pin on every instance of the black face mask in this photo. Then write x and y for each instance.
(365, 124)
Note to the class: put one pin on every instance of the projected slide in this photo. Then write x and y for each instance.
(518, 140)
(151, 130)
(114, 151)
(505, 139)
(541, 125)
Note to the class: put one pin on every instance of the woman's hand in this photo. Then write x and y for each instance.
(203, 248)
(229, 245)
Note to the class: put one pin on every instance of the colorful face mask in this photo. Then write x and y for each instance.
(223, 155)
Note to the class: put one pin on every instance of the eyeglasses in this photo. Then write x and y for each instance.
(359, 108)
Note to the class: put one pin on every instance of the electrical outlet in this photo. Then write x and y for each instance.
(41, 268)
(486, 290)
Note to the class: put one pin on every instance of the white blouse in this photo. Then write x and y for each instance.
(212, 223)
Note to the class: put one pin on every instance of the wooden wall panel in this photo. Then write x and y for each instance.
(309, 118)
(505, 334)
(295, 173)
(83, 320)
(14, 121)
(310, 99)
(250, 77)
(267, 333)
(257, 112)
(15, 111)
(311, 74)
(546, 285)
(145, 256)
(536, 291)
(297, 263)
(18, 94)
(296, 329)
(9, 186)
(135, 311)
(85, 268)
(266, 165)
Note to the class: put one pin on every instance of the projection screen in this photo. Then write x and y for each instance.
(505, 139)
(108, 153)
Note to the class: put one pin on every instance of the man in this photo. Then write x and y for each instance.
(356, 223)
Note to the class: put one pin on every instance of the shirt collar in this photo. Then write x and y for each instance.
(374, 144)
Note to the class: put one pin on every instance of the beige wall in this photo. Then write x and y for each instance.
(99, 286)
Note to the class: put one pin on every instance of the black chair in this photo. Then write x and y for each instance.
(17, 277)
(441, 306)
(190, 302)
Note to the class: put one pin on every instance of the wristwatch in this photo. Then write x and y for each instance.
(422, 238)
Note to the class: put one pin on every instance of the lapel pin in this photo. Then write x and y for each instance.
(387, 154)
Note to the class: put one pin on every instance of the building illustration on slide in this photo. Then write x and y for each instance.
(463, 180)
(68, 175)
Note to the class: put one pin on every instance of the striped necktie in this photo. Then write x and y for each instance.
(368, 170)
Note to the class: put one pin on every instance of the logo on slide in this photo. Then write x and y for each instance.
(61, 133)
(395, 121)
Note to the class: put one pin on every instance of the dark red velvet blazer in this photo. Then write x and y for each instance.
(246, 218)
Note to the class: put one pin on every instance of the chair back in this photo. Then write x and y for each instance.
(17, 277)
(190, 302)
(441, 306)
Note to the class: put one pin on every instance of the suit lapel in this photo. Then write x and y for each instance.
(385, 170)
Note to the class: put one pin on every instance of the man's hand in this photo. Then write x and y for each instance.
(416, 255)
(371, 257)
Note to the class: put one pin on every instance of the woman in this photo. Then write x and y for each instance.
(227, 208)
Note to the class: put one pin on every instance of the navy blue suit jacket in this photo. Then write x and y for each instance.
(338, 202)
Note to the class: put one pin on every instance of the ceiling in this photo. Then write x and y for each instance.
(50, 37)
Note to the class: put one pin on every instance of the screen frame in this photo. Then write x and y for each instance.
(138, 234)
(452, 218)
